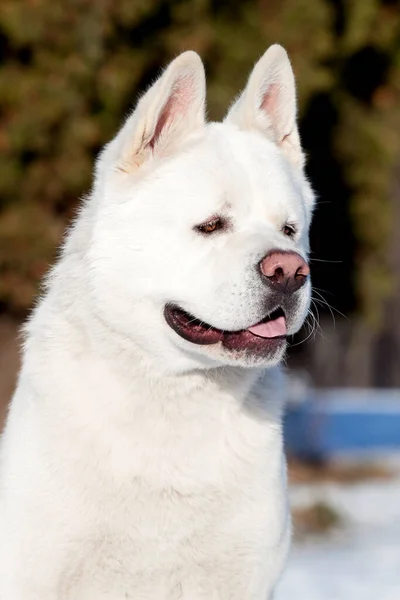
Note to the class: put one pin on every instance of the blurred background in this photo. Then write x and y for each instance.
(69, 72)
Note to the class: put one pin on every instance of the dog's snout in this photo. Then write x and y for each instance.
(285, 272)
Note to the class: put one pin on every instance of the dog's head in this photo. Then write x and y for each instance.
(199, 245)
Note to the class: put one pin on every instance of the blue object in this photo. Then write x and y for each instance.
(344, 421)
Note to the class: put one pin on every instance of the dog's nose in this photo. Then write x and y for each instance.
(284, 272)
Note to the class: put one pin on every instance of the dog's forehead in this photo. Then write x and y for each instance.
(241, 172)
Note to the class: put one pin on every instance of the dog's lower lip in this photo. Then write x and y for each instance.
(200, 333)
(190, 328)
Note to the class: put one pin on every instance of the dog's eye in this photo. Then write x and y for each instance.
(289, 230)
(210, 226)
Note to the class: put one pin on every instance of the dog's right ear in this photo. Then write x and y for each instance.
(169, 112)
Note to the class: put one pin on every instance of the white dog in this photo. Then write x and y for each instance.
(139, 460)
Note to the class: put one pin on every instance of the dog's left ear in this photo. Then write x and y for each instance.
(171, 111)
(268, 103)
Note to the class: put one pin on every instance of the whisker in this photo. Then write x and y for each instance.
(301, 341)
(313, 327)
(323, 260)
(314, 324)
(321, 300)
(321, 290)
(324, 303)
(313, 303)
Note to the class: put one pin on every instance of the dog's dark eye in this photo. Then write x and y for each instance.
(288, 230)
(211, 225)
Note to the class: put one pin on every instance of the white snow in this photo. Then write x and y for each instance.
(359, 561)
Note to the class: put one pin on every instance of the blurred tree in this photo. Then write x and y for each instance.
(70, 70)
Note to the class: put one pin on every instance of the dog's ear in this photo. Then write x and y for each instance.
(168, 113)
(268, 103)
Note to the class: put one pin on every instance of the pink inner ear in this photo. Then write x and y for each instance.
(270, 105)
(270, 98)
(181, 96)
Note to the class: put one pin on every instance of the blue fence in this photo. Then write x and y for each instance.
(344, 421)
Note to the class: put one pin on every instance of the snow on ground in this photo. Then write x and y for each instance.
(359, 561)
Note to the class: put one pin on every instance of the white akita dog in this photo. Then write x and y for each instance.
(139, 460)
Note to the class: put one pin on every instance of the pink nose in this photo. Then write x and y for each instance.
(285, 272)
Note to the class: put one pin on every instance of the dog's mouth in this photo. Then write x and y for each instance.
(266, 336)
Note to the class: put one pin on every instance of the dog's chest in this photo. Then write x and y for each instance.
(192, 535)
(189, 486)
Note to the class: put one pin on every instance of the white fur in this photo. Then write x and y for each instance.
(135, 464)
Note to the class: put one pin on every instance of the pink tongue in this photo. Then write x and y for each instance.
(270, 329)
